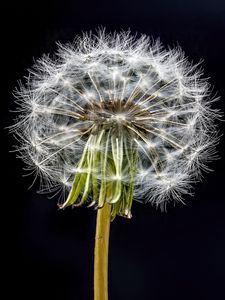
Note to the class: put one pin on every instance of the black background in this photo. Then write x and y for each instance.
(154, 256)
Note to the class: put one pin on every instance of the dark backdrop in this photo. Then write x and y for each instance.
(154, 256)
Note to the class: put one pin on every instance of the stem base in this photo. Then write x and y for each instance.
(101, 252)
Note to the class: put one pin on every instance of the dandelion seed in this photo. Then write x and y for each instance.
(116, 119)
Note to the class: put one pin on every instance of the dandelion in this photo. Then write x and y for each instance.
(114, 119)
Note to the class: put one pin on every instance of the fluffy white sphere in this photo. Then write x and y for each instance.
(121, 97)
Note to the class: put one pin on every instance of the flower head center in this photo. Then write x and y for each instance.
(115, 113)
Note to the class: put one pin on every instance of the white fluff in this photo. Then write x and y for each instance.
(180, 134)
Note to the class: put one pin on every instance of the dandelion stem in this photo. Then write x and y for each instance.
(101, 253)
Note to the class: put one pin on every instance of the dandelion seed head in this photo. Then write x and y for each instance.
(119, 117)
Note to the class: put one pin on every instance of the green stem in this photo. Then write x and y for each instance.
(101, 253)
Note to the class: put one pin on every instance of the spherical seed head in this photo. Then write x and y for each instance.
(114, 118)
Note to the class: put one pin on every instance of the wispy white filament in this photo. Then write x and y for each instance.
(166, 112)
